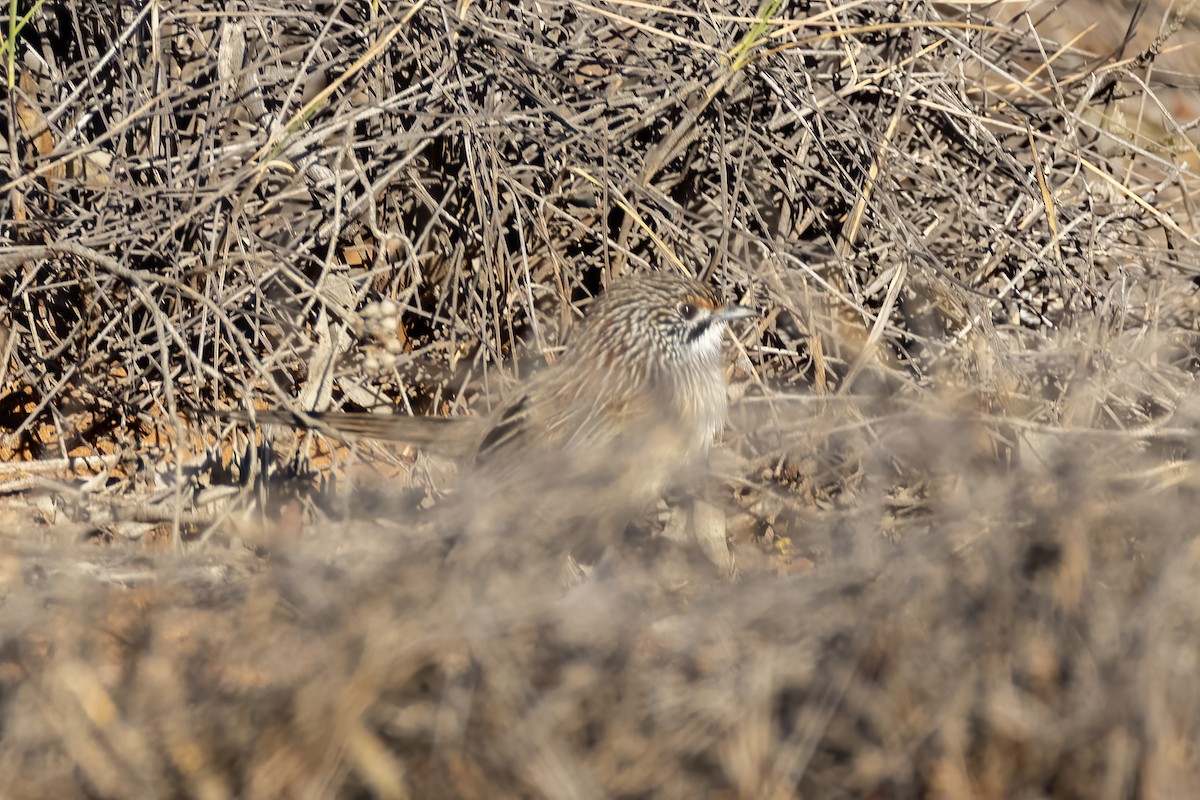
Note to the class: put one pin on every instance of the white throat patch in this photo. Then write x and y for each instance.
(708, 346)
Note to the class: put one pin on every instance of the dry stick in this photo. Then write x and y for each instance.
(533, 322)
(851, 234)
(855, 218)
(877, 328)
(88, 80)
(650, 29)
(1160, 217)
(1011, 283)
(267, 151)
(168, 386)
(1047, 200)
(872, 79)
(1059, 53)
(20, 255)
(628, 208)
(311, 47)
(111, 133)
(701, 97)
(1143, 59)
(1169, 121)
(15, 256)
(92, 462)
(50, 394)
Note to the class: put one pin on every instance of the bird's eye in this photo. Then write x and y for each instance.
(687, 310)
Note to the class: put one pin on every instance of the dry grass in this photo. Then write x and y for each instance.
(960, 481)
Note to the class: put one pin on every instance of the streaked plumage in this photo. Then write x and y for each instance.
(639, 388)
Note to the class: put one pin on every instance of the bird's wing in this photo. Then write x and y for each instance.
(507, 428)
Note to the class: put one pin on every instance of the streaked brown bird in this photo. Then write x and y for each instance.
(637, 397)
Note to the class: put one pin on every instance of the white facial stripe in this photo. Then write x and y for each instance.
(708, 344)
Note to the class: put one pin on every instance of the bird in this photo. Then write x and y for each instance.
(635, 400)
(645, 361)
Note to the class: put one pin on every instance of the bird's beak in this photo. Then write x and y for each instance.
(730, 313)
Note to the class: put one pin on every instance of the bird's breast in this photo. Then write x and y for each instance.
(702, 407)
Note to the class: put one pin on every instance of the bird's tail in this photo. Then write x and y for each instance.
(447, 435)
